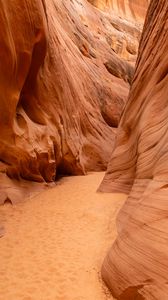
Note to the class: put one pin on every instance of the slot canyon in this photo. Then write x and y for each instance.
(66, 68)
(83, 174)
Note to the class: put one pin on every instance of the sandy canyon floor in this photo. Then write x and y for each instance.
(54, 244)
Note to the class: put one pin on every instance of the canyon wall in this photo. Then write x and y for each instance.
(63, 82)
(129, 9)
(136, 266)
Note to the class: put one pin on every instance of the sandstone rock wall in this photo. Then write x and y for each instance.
(135, 9)
(58, 102)
(136, 266)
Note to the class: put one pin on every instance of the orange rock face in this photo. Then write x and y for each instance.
(134, 9)
(61, 89)
(137, 264)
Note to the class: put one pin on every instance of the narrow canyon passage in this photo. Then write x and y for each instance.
(54, 244)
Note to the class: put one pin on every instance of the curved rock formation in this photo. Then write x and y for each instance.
(134, 9)
(125, 20)
(58, 101)
(137, 264)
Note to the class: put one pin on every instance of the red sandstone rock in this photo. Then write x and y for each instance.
(57, 97)
(136, 267)
(134, 9)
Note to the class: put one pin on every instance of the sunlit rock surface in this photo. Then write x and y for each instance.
(131, 9)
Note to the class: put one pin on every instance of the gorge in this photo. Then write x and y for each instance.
(83, 92)
(65, 73)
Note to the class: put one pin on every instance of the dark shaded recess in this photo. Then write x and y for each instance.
(112, 120)
(66, 168)
(8, 202)
(120, 69)
(132, 293)
(63, 170)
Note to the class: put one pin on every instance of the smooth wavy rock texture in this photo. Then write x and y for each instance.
(134, 9)
(136, 267)
(59, 101)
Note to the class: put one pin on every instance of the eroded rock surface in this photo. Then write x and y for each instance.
(137, 264)
(58, 101)
(134, 9)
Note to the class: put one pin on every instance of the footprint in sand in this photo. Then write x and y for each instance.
(56, 250)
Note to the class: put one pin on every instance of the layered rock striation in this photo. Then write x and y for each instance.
(129, 9)
(63, 86)
(136, 266)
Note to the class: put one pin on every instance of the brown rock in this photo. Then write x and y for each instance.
(126, 18)
(120, 69)
(52, 82)
(58, 101)
(134, 9)
(137, 264)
